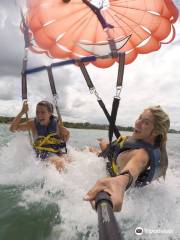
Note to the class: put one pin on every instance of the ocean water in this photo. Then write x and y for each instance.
(38, 203)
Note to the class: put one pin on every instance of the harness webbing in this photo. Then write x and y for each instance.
(54, 92)
(105, 25)
(25, 59)
(120, 69)
(111, 118)
(100, 101)
(115, 129)
(51, 80)
(24, 67)
(24, 80)
(55, 96)
(115, 104)
(47, 140)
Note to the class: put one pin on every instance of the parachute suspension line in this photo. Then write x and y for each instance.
(93, 91)
(24, 68)
(25, 31)
(54, 93)
(106, 27)
(97, 11)
(55, 98)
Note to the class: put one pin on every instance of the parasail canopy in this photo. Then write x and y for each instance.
(72, 29)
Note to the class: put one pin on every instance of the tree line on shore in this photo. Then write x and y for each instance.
(85, 125)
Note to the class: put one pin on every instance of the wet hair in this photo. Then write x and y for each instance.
(46, 104)
(161, 127)
(161, 124)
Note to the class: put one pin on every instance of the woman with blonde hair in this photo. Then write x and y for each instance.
(138, 159)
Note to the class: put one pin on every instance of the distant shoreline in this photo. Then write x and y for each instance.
(86, 125)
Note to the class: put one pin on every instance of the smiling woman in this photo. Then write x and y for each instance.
(138, 159)
(49, 134)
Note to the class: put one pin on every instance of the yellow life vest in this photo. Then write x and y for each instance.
(119, 142)
(124, 143)
(49, 143)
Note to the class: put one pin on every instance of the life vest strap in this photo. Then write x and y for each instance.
(45, 143)
(49, 139)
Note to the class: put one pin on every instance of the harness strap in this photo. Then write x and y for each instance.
(24, 67)
(114, 127)
(110, 153)
(114, 111)
(25, 59)
(24, 86)
(24, 96)
(105, 25)
(47, 140)
(43, 139)
(93, 90)
(54, 92)
(116, 100)
(115, 105)
(51, 80)
(86, 76)
(47, 149)
(55, 97)
(111, 118)
(121, 61)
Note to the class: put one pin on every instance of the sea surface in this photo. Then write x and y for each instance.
(38, 203)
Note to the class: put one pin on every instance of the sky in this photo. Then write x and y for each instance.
(152, 79)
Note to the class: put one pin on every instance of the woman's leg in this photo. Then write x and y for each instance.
(94, 150)
(103, 143)
(59, 161)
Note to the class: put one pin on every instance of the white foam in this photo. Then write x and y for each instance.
(153, 207)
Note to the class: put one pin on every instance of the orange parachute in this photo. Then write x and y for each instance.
(72, 29)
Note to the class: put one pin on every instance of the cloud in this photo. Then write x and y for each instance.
(152, 79)
(3, 18)
(11, 42)
(9, 88)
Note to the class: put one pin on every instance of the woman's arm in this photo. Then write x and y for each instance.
(16, 124)
(116, 186)
(137, 163)
(63, 133)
